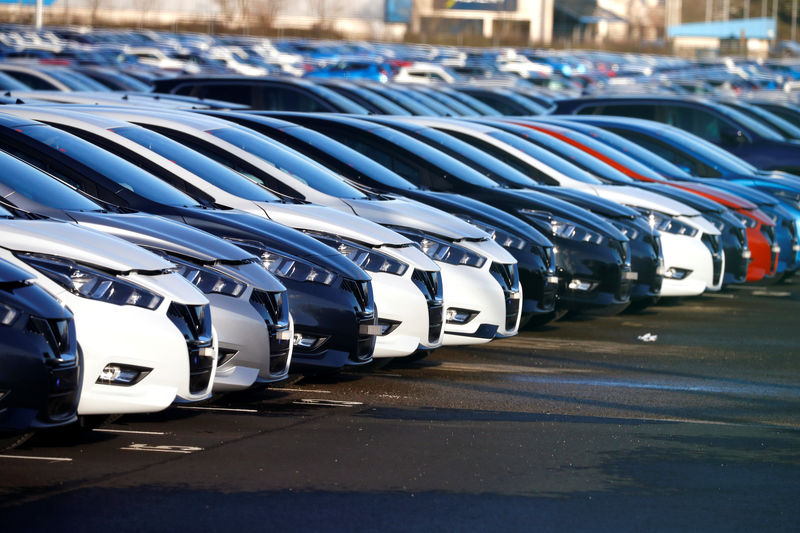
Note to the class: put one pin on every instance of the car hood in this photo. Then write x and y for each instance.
(701, 203)
(329, 220)
(634, 196)
(749, 193)
(410, 214)
(718, 195)
(164, 234)
(65, 239)
(238, 225)
(589, 199)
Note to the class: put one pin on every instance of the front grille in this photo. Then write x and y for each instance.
(508, 277)
(545, 253)
(274, 310)
(430, 284)
(622, 247)
(361, 290)
(193, 321)
(769, 233)
(63, 397)
(655, 242)
(714, 245)
(741, 236)
(57, 335)
(712, 242)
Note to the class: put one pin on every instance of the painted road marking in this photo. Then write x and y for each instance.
(103, 430)
(222, 409)
(163, 448)
(301, 390)
(31, 458)
(326, 403)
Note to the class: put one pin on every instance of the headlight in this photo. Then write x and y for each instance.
(444, 251)
(666, 223)
(206, 279)
(90, 283)
(744, 219)
(8, 315)
(561, 227)
(285, 266)
(504, 239)
(365, 258)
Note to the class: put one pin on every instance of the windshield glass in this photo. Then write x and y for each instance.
(350, 157)
(470, 155)
(345, 105)
(289, 161)
(198, 164)
(548, 158)
(110, 166)
(4, 213)
(572, 154)
(753, 124)
(451, 166)
(41, 188)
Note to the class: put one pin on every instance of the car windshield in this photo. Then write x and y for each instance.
(345, 105)
(41, 188)
(653, 161)
(433, 156)
(289, 161)
(4, 213)
(350, 157)
(751, 123)
(545, 156)
(110, 166)
(198, 164)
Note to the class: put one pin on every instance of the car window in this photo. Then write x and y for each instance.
(675, 156)
(34, 82)
(237, 93)
(645, 111)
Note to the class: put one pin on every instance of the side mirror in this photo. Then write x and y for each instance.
(730, 136)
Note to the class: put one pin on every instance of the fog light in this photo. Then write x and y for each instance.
(677, 273)
(796, 247)
(553, 280)
(454, 315)
(122, 375)
(776, 249)
(305, 341)
(3, 394)
(387, 326)
(581, 285)
(746, 253)
(225, 355)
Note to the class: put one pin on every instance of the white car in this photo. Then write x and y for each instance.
(482, 294)
(145, 333)
(406, 282)
(688, 262)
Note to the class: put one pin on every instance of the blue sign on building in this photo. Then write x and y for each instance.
(482, 5)
(27, 2)
(398, 11)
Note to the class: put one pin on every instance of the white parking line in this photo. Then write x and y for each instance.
(326, 403)
(103, 430)
(162, 449)
(31, 458)
(302, 390)
(222, 409)
(774, 294)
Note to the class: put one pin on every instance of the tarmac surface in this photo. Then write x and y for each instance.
(579, 426)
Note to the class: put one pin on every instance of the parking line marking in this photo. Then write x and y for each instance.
(223, 409)
(302, 390)
(31, 458)
(774, 294)
(162, 449)
(326, 403)
(103, 430)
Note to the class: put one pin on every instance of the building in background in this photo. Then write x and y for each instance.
(740, 37)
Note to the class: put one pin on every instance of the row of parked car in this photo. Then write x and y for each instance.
(161, 248)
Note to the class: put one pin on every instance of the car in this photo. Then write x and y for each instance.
(698, 158)
(735, 132)
(289, 173)
(330, 297)
(249, 305)
(408, 320)
(40, 381)
(261, 93)
(534, 253)
(594, 268)
(370, 100)
(109, 285)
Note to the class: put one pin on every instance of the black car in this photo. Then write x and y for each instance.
(739, 134)
(39, 361)
(646, 256)
(262, 93)
(594, 263)
(533, 252)
(330, 298)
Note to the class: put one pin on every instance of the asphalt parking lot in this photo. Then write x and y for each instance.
(685, 417)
